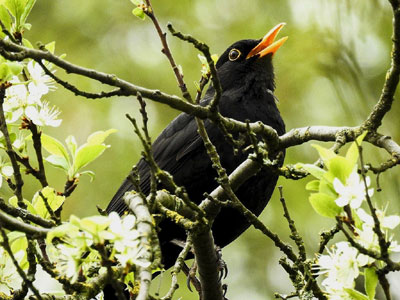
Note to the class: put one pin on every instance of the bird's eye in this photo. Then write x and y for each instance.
(234, 54)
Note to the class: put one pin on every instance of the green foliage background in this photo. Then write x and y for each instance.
(329, 72)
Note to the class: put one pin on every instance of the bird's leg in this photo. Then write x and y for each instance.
(221, 264)
(191, 277)
(224, 290)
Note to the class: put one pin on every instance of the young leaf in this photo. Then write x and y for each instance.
(5, 73)
(27, 43)
(71, 144)
(324, 205)
(86, 155)
(312, 169)
(27, 9)
(5, 17)
(98, 137)
(14, 202)
(60, 231)
(356, 295)
(313, 186)
(339, 167)
(15, 68)
(16, 8)
(371, 281)
(137, 2)
(326, 187)
(325, 154)
(352, 153)
(18, 242)
(138, 12)
(58, 162)
(53, 146)
(90, 174)
(54, 201)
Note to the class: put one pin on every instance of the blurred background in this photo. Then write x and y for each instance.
(329, 72)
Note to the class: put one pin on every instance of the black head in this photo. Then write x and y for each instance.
(249, 60)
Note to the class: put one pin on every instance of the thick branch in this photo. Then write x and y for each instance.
(25, 215)
(145, 226)
(206, 258)
(12, 224)
(386, 99)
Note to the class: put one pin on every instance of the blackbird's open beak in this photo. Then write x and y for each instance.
(267, 44)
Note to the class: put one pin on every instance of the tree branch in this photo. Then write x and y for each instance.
(144, 225)
(386, 99)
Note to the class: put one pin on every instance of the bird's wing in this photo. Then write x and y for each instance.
(171, 150)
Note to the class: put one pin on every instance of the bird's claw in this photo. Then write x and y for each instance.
(224, 290)
(191, 277)
(222, 266)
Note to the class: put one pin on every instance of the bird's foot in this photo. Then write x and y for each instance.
(224, 290)
(221, 264)
(191, 277)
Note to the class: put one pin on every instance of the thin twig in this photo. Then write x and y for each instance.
(10, 151)
(28, 281)
(26, 215)
(167, 52)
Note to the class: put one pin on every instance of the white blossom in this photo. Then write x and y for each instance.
(340, 267)
(367, 237)
(124, 232)
(17, 99)
(126, 241)
(9, 277)
(353, 193)
(69, 260)
(43, 116)
(40, 83)
(6, 170)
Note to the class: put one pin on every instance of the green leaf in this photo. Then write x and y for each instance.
(325, 154)
(18, 242)
(53, 146)
(58, 162)
(27, 43)
(9, 69)
(5, 17)
(371, 281)
(90, 174)
(54, 201)
(27, 9)
(356, 295)
(352, 152)
(94, 224)
(339, 167)
(327, 188)
(71, 144)
(86, 155)
(16, 8)
(98, 137)
(324, 205)
(51, 47)
(313, 186)
(27, 26)
(138, 12)
(14, 202)
(361, 137)
(5, 73)
(61, 231)
(15, 68)
(313, 170)
(137, 2)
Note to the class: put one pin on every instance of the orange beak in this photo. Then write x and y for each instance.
(267, 44)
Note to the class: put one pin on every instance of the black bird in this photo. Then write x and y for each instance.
(246, 74)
